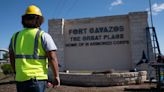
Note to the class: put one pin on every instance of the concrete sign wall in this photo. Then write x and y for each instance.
(100, 43)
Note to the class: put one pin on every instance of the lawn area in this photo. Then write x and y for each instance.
(1, 75)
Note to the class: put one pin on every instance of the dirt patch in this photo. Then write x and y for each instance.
(64, 88)
(7, 85)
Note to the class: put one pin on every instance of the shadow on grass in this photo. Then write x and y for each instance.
(9, 82)
(8, 79)
(4, 78)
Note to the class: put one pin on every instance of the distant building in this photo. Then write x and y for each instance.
(3, 59)
(101, 43)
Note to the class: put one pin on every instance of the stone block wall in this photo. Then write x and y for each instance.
(113, 79)
(137, 25)
(55, 29)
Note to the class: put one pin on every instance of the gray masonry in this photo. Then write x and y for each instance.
(101, 43)
(111, 79)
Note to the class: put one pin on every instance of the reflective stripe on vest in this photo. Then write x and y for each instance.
(34, 56)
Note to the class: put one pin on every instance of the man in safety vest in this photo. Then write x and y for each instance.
(31, 50)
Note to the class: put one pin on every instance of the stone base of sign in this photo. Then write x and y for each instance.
(111, 79)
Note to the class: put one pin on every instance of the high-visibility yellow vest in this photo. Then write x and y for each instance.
(30, 57)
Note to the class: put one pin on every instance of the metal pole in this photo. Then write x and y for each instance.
(151, 18)
(157, 42)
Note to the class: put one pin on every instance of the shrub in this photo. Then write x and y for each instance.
(7, 69)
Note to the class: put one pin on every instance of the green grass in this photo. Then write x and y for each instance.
(2, 75)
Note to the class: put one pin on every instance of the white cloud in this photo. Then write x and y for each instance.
(156, 8)
(116, 2)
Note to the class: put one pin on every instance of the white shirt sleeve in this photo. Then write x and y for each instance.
(47, 42)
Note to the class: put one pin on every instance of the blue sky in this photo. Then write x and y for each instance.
(12, 10)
